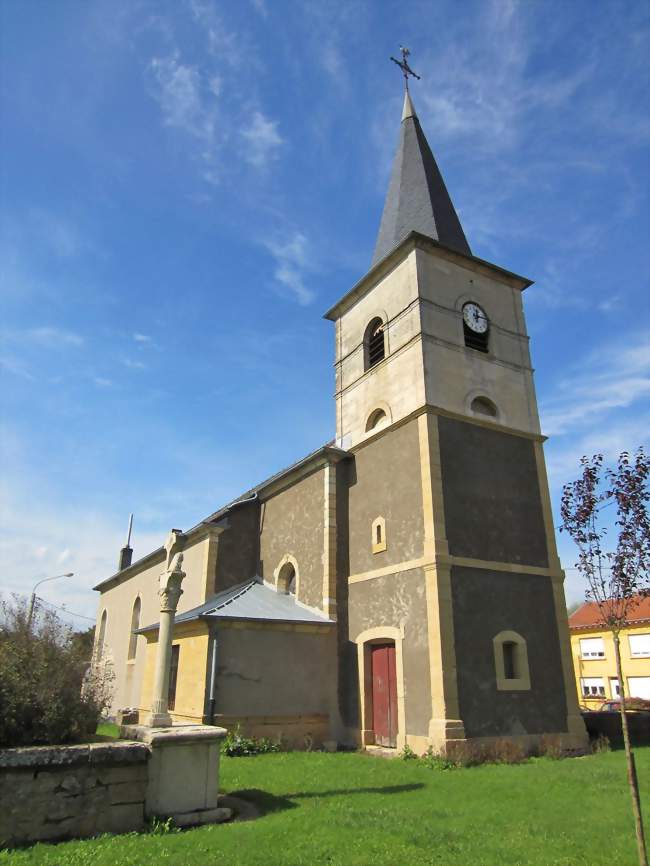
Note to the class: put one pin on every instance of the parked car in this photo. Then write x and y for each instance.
(636, 705)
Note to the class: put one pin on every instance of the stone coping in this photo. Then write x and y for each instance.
(176, 735)
(119, 752)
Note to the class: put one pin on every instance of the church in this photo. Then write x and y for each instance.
(399, 585)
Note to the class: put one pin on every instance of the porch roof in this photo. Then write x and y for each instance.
(253, 601)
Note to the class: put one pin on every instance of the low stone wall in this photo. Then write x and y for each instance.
(51, 793)
(61, 792)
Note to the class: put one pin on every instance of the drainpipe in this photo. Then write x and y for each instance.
(213, 678)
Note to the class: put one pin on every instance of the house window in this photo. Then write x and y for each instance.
(173, 677)
(135, 625)
(639, 645)
(378, 535)
(511, 662)
(614, 688)
(374, 344)
(592, 648)
(639, 687)
(592, 687)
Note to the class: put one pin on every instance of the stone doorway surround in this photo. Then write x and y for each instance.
(364, 641)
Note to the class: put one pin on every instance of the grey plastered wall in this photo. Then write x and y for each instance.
(386, 481)
(238, 547)
(275, 672)
(292, 522)
(399, 600)
(493, 508)
(486, 603)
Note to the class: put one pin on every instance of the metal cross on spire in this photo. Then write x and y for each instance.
(404, 66)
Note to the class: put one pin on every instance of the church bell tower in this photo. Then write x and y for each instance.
(452, 555)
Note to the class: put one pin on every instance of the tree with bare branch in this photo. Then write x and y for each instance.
(617, 575)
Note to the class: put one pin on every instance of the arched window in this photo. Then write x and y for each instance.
(511, 662)
(378, 536)
(287, 579)
(135, 625)
(376, 419)
(484, 406)
(374, 348)
(101, 637)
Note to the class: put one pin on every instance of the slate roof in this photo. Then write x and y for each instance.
(417, 198)
(588, 616)
(253, 601)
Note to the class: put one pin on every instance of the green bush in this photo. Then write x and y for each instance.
(236, 745)
(50, 693)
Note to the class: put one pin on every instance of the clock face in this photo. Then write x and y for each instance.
(475, 318)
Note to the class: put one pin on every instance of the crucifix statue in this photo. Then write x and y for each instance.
(404, 66)
(169, 592)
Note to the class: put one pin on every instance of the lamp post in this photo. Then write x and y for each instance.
(32, 600)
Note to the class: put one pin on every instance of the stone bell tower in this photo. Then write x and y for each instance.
(434, 391)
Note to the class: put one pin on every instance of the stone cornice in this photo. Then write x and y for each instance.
(411, 242)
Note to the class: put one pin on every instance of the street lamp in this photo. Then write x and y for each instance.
(32, 600)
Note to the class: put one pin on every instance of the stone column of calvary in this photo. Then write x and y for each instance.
(170, 591)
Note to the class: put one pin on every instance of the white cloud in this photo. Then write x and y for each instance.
(134, 365)
(292, 259)
(53, 338)
(484, 90)
(44, 337)
(260, 6)
(263, 140)
(102, 382)
(142, 338)
(16, 367)
(615, 377)
(184, 103)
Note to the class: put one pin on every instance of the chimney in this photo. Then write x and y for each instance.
(126, 556)
(126, 553)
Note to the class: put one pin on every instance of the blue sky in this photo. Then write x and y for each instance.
(187, 186)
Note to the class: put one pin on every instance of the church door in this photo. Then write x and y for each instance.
(384, 694)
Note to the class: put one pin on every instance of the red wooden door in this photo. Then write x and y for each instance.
(384, 694)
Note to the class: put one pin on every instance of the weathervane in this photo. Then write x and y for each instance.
(404, 66)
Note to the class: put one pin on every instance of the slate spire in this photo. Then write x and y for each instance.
(417, 198)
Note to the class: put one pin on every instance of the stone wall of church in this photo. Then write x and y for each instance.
(492, 502)
(238, 547)
(484, 604)
(292, 523)
(385, 481)
(276, 671)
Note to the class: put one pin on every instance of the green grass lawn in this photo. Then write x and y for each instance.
(352, 809)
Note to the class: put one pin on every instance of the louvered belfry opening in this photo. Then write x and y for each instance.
(474, 340)
(375, 344)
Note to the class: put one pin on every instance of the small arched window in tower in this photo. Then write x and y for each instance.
(378, 535)
(374, 346)
(102, 637)
(476, 327)
(287, 579)
(509, 648)
(135, 625)
(511, 662)
(378, 418)
(484, 406)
